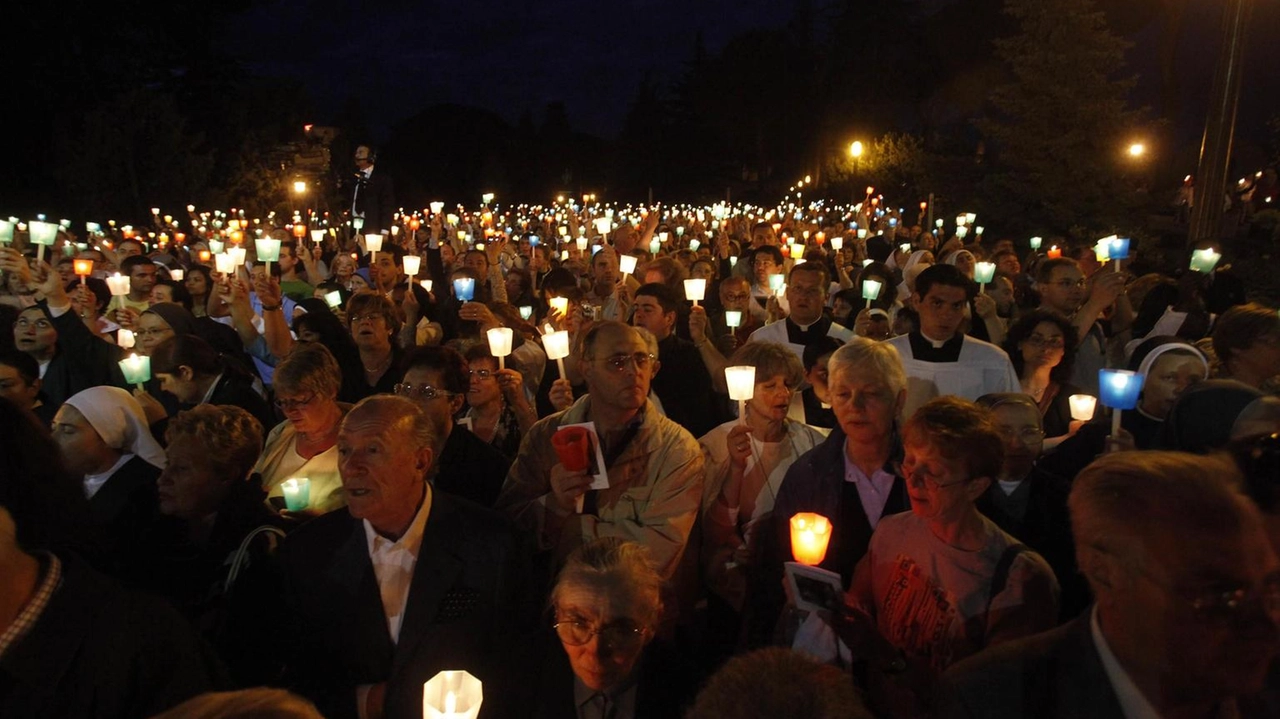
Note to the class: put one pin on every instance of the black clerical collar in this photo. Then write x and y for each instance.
(807, 335)
(924, 349)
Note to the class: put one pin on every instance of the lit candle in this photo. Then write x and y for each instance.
(604, 225)
(237, 256)
(1082, 406)
(797, 251)
(1204, 260)
(136, 369)
(742, 386)
(83, 268)
(464, 288)
(6, 231)
(983, 273)
(581, 242)
(1036, 242)
(1054, 252)
(733, 319)
(125, 338)
(556, 345)
(654, 246)
(333, 299)
(775, 282)
(870, 291)
(118, 284)
(216, 246)
(627, 263)
(695, 289)
(1119, 390)
(297, 493)
(412, 263)
(837, 243)
(425, 284)
(43, 234)
(317, 236)
(810, 534)
(224, 263)
(939, 223)
(526, 312)
(500, 339)
(177, 275)
(437, 208)
(452, 694)
(560, 305)
(268, 251)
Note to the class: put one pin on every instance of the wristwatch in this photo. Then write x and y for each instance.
(270, 308)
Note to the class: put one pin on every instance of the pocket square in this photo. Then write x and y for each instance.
(458, 604)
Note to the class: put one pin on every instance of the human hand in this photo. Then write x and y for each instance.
(127, 317)
(739, 445)
(862, 322)
(1121, 442)
(479, 312)
(1106, 288)
(151, 406)
(561, 394)
(49, 284)
(698, 324)
(512, 384)
(268, 290)
(985, 305)
(567, 487)
(12, 262)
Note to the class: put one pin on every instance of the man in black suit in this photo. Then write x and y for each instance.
(1187, 614)
(402, 584)
(373, 196)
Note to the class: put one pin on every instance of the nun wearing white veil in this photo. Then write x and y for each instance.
(103, 436)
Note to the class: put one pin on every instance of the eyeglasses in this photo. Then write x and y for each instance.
(147, 334)
(25, 323)
(289, 405)
(738, 297)
(357, 319)
(1053, 343)
(1225, 605)
(1068, 284)
(421, 391)
(641, 360)
(482, 373)
(912, 472)
(1026, 434)
(623, 634)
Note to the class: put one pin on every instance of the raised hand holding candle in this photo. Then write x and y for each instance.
(464, 288)
(810, 534)
(560, 305)
(1119, 390)
(297, 493)
(500, 339)
(983, 273)
(695, 289)
(412, 264)
(1082, 406)
(136, 369)
(556, 345)
(871, 291)
(454, 694)
(742, 386)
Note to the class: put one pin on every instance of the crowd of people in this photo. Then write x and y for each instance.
(304, 468)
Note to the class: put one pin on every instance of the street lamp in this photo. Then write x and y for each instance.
(1137, 150)
(855, 150)
(300, 187)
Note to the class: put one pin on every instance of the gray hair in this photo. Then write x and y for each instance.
(770, 360)
(259, 703)
(1122, 501)
(400, 413)
(611, 563)
(866, 356)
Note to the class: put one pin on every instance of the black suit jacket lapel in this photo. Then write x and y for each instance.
(434, 574)
(353, 570)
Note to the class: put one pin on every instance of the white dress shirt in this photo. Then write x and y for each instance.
(1132, 702)
(393, 563)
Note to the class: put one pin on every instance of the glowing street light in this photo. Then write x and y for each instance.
(855, 149)
(1137, 150)
(300, 187)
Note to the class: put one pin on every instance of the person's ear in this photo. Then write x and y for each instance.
(423, 460)
(977, 487)
(1099, 568)
(901, 403)
(186, 373)
(456, 401)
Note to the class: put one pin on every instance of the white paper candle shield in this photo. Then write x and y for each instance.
(560, 305)
(810, 535)
(333, 299)
(526, 312)
(43, 233)
(500, 339)
(627, 263)
(581, 242)
(732, 319)
(695, 289)
(1036, 242)
(452, 695)
(373, 243)
(237, 255)
(412, 263)
(604, 225)
(871, 290)
(216, 247)
(776, 281)
(125, 339)
(425, 284)
(268, 249)
(837, 243)
(741, 381)
(556, 344)
(1082, 406)
(984, 272)
(6, 231)
(317, 236)
(297, 493)
(136, 369)
(437, 208)
(464, 288)
(118, 284)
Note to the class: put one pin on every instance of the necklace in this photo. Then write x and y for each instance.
(381, 367)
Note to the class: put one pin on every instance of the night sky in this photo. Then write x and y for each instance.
(508, 57)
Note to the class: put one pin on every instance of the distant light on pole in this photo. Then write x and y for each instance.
(1137, 150)
(300, 187)
(856, 149)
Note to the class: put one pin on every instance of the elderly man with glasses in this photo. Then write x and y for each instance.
(654, 465)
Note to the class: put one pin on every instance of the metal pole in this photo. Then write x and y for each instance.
(1220, 125)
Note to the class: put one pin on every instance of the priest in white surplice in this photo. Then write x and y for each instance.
(939, 359)
(807, 295)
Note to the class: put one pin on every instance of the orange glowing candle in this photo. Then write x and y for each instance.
(810, 534)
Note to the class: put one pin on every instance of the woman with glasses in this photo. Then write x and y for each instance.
(1042, 347)
(942, 582)
(374, 325)
(745, 462)
(304, 445)
(498, 408)
(606, 605)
